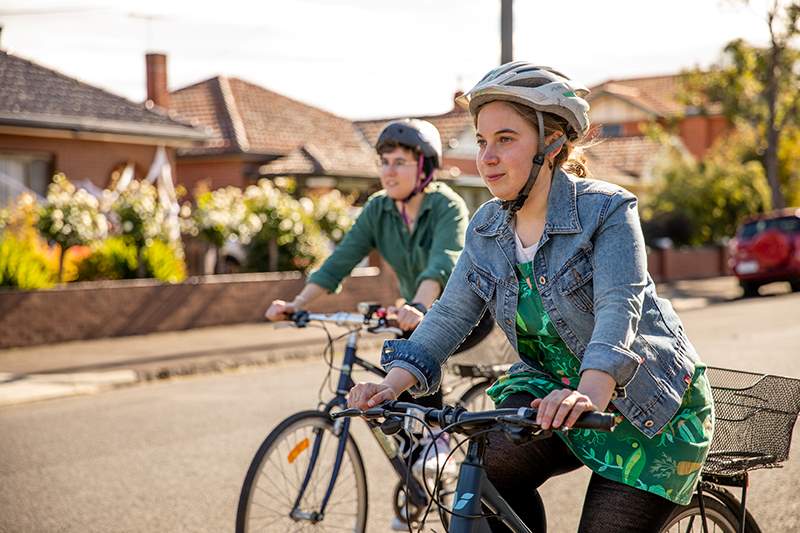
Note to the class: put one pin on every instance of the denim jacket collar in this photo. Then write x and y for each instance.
(562, 210)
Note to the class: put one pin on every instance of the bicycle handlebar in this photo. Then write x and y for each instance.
(375, 325)
(459, 418)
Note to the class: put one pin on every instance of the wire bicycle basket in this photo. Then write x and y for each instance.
(755, 418)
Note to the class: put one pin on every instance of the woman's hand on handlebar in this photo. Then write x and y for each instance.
(561, 408)
(279, 310)
(366, 395)
(408, 317)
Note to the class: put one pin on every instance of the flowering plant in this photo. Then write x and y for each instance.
(139, 215)
(289, 237)
(333, 213)
(70, 217)
(221, 215)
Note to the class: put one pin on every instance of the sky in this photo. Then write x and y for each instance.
(369, 58)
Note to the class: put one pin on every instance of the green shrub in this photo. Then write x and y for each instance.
(117, 258)
(113, 258)
(164, 262)
(22, 266)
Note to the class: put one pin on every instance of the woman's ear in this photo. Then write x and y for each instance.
(551, 139)
(551, 157)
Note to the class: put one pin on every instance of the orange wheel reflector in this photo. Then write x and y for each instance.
(297, 450)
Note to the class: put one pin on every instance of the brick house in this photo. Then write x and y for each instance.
(623, 108)
(51, 123)
(258, 133)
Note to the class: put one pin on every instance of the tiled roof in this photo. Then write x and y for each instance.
(38, 97)
(451, 126)
(656, 94)
(621, 157)
(249, 119)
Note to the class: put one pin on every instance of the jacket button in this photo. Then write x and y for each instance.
(648, 423)
(388, 350)
(509, 321)
(614, 395)
(542, 280)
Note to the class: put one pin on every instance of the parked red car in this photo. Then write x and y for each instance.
(766, 249)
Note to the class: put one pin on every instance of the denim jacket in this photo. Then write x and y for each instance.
(591, 272)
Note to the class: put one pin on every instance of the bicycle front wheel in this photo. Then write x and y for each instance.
(285, 463)
(687, 519)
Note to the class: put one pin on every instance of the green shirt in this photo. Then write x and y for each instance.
(668, 465)
(429, 252)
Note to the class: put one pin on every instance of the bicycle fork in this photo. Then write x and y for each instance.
(341, 429)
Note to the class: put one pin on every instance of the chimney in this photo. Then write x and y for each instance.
(157, 91)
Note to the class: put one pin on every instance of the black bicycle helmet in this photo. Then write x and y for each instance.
(420, 136)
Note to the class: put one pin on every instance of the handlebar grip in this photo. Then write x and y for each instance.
(600, 421)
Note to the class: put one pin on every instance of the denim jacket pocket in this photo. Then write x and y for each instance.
(574, 282)
(482, 283)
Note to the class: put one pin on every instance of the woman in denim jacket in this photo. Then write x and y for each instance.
(560, 263)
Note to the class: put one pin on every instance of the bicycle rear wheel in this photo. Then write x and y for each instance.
(475, 397)
(719, 518)
(277, 472)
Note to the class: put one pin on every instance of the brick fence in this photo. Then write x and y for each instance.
(690, 263)
(93, 310)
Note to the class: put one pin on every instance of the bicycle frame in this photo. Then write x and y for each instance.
(416, 493)
(467, 509)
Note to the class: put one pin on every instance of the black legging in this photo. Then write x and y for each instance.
(518, 470)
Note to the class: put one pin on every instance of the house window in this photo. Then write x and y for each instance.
(21, 172)
(611, 130)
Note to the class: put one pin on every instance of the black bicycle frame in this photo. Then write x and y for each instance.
(416, 493)
(474, 492)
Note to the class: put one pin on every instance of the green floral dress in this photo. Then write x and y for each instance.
(668, 464)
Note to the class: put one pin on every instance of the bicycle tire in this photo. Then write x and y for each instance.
(294, 436)
(720, 518)
(475, 397)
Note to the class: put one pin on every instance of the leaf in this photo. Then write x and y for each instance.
(634, 465)
(619, 460)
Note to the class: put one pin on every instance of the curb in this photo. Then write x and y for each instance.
(16, 389)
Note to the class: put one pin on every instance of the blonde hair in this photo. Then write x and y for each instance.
(570, 158)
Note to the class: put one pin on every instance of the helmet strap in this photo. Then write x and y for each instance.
(538, 161)
(422, 182)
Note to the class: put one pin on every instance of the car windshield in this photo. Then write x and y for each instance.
(784, 224)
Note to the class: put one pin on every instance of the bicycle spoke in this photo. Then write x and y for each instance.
(283, 469)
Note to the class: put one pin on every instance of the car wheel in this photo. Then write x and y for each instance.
(749, 288)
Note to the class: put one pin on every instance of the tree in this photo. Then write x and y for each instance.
(70, 217)
(758, 86)
(698, 203)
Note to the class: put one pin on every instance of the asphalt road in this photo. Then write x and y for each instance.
(171, 456)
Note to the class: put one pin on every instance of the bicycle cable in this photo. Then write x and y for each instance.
(433, 496)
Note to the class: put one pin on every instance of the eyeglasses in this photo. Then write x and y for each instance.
(397, 163)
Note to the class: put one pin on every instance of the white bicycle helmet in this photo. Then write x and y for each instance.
(542, 89)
